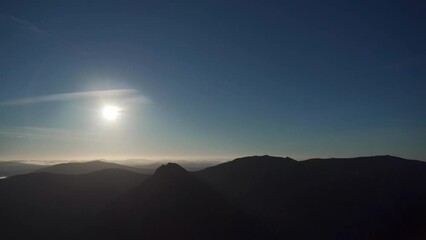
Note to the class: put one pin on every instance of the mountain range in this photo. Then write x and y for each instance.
(75, 168)
(258, 197)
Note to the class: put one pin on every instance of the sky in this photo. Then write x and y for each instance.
(212, 79)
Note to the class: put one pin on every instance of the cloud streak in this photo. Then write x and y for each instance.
(37, 133)
(28, 25)
(125, 93)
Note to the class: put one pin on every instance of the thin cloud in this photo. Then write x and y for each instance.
(28, 25)
(34, 28)
(37, 133)
(124, 93)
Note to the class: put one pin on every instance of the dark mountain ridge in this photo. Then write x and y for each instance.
(258, 197)
(333, 198)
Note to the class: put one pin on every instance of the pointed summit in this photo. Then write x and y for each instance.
(170, 167)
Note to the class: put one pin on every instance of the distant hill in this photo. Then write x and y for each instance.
(10, 168)
(74, 168)
(258, 197)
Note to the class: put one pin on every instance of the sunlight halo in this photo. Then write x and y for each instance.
(110, 112)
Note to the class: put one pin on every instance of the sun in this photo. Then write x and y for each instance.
(110, 112)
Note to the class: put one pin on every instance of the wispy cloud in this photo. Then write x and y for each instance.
(28, 25)
(36, 133)
(129, 94)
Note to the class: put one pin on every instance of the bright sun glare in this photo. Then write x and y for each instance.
(110, 112)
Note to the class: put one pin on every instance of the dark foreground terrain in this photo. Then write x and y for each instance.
(259, 197)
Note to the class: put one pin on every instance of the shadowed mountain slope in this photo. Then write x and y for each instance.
(60, 205)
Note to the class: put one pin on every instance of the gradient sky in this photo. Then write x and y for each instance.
(212, 79)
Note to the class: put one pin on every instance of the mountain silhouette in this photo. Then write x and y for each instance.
(85, 167)
(174, 204)
(258, 197)
(187, 164)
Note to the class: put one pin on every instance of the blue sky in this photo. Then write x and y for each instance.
(212, 79)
